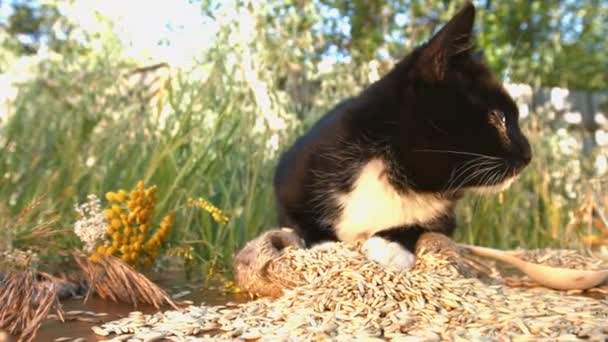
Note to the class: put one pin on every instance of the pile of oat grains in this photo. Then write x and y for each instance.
(344, 296)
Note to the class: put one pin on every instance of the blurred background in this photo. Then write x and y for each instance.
(198, 98)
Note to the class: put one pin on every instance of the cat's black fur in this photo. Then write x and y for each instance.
(428, 120)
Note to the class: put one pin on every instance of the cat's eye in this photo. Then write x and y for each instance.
(499, 116)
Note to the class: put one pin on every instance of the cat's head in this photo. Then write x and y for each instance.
(458, 125)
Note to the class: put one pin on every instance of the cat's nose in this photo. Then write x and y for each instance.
(521, 151)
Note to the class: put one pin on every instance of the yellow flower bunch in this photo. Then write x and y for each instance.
(216, 213)
(129, 217)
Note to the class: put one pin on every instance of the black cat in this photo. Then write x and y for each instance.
(389, 164)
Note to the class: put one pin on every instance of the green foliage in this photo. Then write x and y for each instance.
(545, 42)
(549, 43)
(34, 25)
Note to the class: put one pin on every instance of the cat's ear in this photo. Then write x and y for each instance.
(454, 39)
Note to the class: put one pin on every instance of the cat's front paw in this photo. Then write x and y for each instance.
(389, 254)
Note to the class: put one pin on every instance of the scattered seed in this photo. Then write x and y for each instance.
(99, 331)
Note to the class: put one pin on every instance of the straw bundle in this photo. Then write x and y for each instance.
(251, 264)
(112, 279)
(26, 301)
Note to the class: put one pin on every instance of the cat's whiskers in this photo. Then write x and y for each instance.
(488, 179)
(483, 172)
(495, 180)
(492, 177)
(465, 167)
(495, 176)
(502, 182)
(475, 173)
(461, 170)
(478, 168)
(459, 152)
(485, 166)
(468, 163)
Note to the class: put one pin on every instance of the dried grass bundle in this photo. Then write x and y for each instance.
(255, 270)
(112, 279)
(26, 301)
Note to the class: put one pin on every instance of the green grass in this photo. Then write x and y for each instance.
(65, 141)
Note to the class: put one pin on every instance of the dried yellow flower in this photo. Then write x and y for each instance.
(216, 213)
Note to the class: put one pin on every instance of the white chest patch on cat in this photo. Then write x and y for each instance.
(374, 205)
